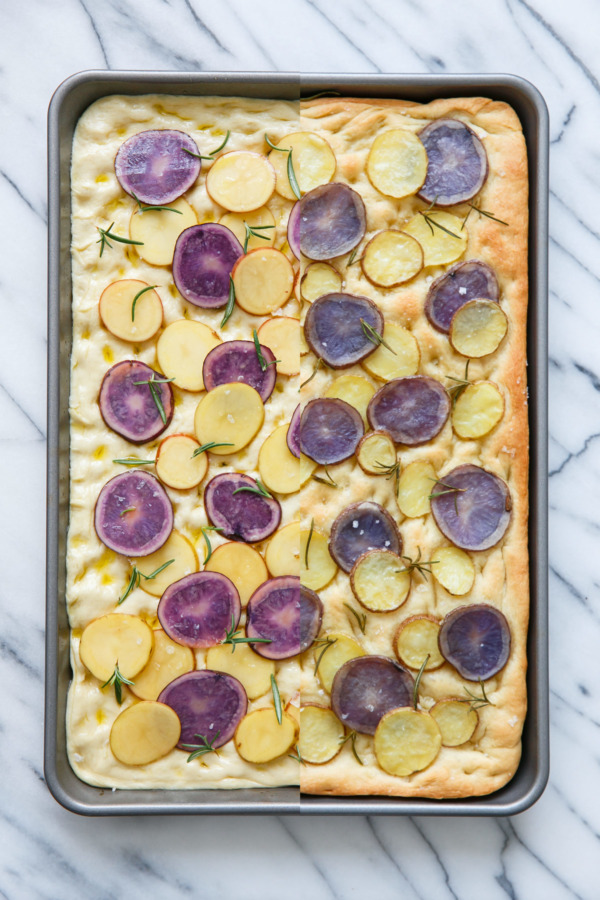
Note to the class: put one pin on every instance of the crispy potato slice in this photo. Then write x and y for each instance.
(312, 158)
(392, 258)
(241, 181)
(251, 670)
(454, 570)
(230, 414)
(260, 738)
(406, 741)
(116, 639)
(321, 734)
(397, 163)
(116, 304)
(376, 453)
(415, 638)
(378, 582)
(354, 389)
(159, 229)
(307, 467)
(478, 328)
(176, 465)
(282, 555)
(279, 468)
(144, 733)
(317, 568)
(456, 719)
(431, 231)
(262, 219)
(319, 278)
(242, 564)
(403, 358)
(168, 661)
(340, 651)
(181, 350)
(281, 335)
(477, 410)
(263, 281)
(185, 561)
(414, 488)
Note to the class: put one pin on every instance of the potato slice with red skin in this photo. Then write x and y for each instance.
(260, 737)
(262, 219)
(209, 704)
(417, 638)
(242, 564)
(116, 639)
(241, 181)
(182, 559)
(133, 514)
(457, 162)
(176, 465)
(321, 734)
(168, 661)
(319, 278)
(282, 555)
(263, 281)
(251, 670)
(154, 166)
(397, 163)
(391, 258)
(143, 733)
(115, 308)
(281, 335)
(478, 328)
(456, 720)
(230, 414)
(181, 350)
(279, 468)
(379, 581)
(157, 230)
(406, 741)
(313, 161)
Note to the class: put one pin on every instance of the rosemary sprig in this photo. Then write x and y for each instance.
(143, 209)
(328, 480)
(231, 637)
(132, 461)
(200, 749)
(260, 489)
(290, 167)
(476, 702)
(230, 303)
(449, 489)
(212, 153)
(297, 756)
(276, 700)
(149, 287)
(123, 511)
(318, 365)
(361, 618)
(118, 680)
(136, 577)
(325, 643)
(374, 336)
(253, 231)
(204, 529)
(482, 212)
(351, 736)
(152, 382)
(418, 681)
(221, 145)
(210, 446)
(352, 258)
(390, 472)
(422, 566)
(435, 224)
(308, 540)
(461, 384)
(261, 360)
(106, 233)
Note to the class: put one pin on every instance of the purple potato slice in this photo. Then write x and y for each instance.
(133, 514)
(330, 430)
(234, 361)
(154, 167)
(413, 409)
(274, 613)
(359, 528)
(311, 617)
(457, 163)
(475, 640)
(366, 688)
(209, 704)
(293, 230)
(332, 221)
(199, 609)
(471, 507)
(334, 328)
(203, 260)
(470, 280)
(130, 407)
(244, 516)
(293, 433)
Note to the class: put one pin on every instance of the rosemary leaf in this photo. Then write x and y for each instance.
(123, 511)
(117, 679)
(418, 681)
(204, 530)
(157, 571)
(326, 643)
(374, 336)
(230, 303)
(297, 756)
(253, 231)
(220, 147)
(432, 222)
(276, 699)
(308, 540)
(361, 618)
(200, 749)
(260, 489)
(106, 233)
(149, 287)
(292, 177)
(132, 461)
(143, 209)
(261, 359)
(319, 363)
(210, 446)
(231, 637)
(351, 736)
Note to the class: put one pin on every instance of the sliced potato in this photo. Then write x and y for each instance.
(116, 639)
(241, 181)
(317, 568)
(406, 741)
(402, 359)
(415, 487)
(319, 278)
(378, 582)
(354, 390)
(478, 328)
(116, 304)
(454, 570)
(392, 258)
(281, 335)
(181, 351)
(307, 467)
(312, 158)
(159, 229)
(397, 163)
(144, 732)
(282, 555)
(321, 734)
(431, 231)
(477, 410)
(168, 661)
(176, 465)
(279, 468)
(341, 649)
(376, 453)
(185, 561)
(456, 720)
(242, 564)
(263, 281)
(251, 670)
(304, 348)
(262, 219)
(415, 638)
(260, 738)
(231, 414)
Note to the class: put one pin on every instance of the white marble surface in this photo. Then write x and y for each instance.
(551, 851)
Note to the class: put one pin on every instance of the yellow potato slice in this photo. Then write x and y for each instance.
(232, 414)
(456, 720)
(378, 582)
(168, 661)
(176, 465)
(282, 555)
(115, 307)
(307, 467)
(260, 738)
(312, 158)
(376, 453)
(262, 219)
(159, 229)
(478, 328)
(304, 348)
(477, 410)
(116, 639)
(185, 561)
(263, 280)
(415, 487)
(406, 741)
(416, 637)
(281, 335)
(181, 351)
(439, 247)
(392, 258)
(241, 181)
(144, 733)
(279, 468)
(321, 734)
(454, 570)
(317, 568)
(397, 163)
(354, 390)
(251, 670)
(319, 279)
(403, 358)
(242, 564)
(293, 710)
(340, 651)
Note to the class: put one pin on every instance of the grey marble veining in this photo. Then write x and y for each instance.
(551, 851)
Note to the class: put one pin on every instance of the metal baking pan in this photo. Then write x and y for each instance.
(68, 103)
